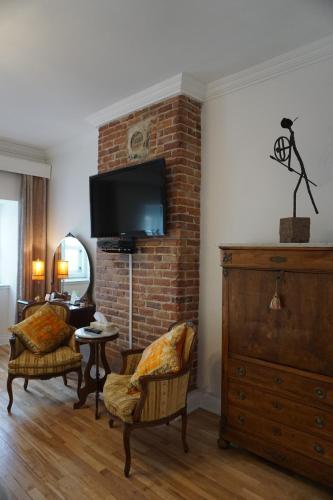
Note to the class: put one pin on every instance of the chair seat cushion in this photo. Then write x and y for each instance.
(58, 361)
(116, 398)
(43, 331)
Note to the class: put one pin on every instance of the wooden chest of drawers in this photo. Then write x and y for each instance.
(277, 370)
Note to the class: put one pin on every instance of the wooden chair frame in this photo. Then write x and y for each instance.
(145, 381)
(12, 355)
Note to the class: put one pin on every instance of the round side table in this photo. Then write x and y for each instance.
(97, 350)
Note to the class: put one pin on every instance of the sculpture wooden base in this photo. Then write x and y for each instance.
(295, 230)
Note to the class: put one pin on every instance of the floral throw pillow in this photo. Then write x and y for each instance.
(163, 356)
(43, 331)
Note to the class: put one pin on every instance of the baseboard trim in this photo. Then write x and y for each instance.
(210, 403)
(193, 400)
(204, 400)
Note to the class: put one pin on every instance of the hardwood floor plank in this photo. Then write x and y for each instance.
(50, 451)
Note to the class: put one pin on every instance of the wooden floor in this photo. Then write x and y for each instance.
(48, 450)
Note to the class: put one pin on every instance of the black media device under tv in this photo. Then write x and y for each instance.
(128, 203)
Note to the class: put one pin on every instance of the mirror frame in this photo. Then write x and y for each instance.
(87, 296)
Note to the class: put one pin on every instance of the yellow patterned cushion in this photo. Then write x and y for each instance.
(42, 332)
(116, 398)
(57, 361)
(160, 357)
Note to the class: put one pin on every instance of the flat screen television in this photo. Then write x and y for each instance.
(129, 202)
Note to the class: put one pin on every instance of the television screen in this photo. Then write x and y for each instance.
(129, 201)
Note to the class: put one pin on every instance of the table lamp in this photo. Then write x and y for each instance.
(38, 273)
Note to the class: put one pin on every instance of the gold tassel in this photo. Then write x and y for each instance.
(276, 304)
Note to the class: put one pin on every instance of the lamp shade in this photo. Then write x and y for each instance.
(38, 270)
(62, 269)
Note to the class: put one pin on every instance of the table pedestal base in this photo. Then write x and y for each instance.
(91, 384)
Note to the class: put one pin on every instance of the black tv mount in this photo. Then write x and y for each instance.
(114, 245)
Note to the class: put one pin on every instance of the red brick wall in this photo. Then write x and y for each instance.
(166, 269)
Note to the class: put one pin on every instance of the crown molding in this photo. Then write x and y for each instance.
(24, 151)
(192, 87)
(290, 61)
(179, 84)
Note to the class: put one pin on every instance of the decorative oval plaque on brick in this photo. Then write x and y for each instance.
(138, 140)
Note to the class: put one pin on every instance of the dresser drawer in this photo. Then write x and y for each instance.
(282, 258)
(275, 407)
(312, 390)
(315, 447)
(278, 454)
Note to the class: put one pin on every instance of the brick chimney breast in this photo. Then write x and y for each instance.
(165, 269)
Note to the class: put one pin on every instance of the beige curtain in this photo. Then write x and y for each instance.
(32, 234)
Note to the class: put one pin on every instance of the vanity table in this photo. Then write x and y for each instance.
(79, 315)
(71, 274)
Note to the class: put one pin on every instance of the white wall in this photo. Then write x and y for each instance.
(244, 193)
(10, 186)
(68, 210)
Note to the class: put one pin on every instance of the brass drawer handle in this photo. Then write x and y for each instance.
(227, 258)
(278, 259)
(278, 380)
(277, 405)
(320, 422)
(320, 393)
(240, 371)
(241, 395)
(241, 419)
(319, 449)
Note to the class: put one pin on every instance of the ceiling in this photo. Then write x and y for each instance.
(62, 60)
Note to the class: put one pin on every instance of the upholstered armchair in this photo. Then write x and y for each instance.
(162, 398)
(24, 364)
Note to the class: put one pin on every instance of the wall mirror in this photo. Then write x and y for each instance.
(71, 270)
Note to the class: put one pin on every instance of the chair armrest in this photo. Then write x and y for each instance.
(16, 347)
(162, 396)
(71, 342)
(131, 358)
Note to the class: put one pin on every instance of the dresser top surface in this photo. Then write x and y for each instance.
(280, 246)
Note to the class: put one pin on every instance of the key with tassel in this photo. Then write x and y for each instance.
(276, 304)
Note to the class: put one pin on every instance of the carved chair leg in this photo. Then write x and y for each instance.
(10, 392)
(126, 439)
(26, 380)
(184, 426)
(65, 379)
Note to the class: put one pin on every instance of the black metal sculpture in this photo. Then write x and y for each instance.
(283, 148)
